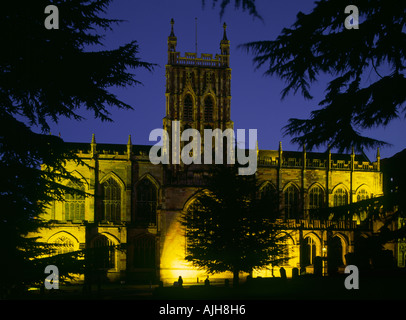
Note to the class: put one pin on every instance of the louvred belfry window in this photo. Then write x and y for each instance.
(188, 109)
(208, 109)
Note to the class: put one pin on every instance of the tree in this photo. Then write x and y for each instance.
(318, 43)
(25, 191)
(243, 4)
(229, 227)
(48, 74)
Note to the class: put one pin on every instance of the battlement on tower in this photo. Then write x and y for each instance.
(221, 60)
(205, 60)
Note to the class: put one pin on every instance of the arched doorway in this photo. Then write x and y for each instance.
(103, 253)
(335, 255)
(144, 252)
(362, 253)
(308, 251)
(144, 259)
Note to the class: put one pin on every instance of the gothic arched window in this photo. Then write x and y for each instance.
(208, 109)
(188, 108)
(146, 201)
(111, 203)
(144, 252)
(292, 208)
(335, 253)
(74, 204)
(269, 194)
(103, 253)
(308, 251)
(362, 195)
(340, 197)
(63, 245)
(316, 198)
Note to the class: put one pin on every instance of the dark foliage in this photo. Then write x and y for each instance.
(230, 227)
(318, 43)
(248, 5)
(46, 74)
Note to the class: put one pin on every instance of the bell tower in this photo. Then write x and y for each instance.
(198, 91)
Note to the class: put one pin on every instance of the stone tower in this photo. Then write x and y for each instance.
(197, 89)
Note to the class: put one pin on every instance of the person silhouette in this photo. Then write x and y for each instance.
(180, 281)
(207, 282)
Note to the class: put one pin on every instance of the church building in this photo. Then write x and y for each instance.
(138, 203)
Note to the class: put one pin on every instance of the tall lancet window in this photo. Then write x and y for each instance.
(74, 204)
(316, 198)
(340, 197)
(292, 206)
(146, 201)
(208, 109)
(188, 109)
(362, 195)
(111, 204)
(103, 255)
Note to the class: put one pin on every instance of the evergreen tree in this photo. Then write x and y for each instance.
(319, 43)
(232, 227)
(238, 4)
(48, 74)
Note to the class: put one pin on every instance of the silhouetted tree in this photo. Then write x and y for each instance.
(25, 191)
(231, 227)
(318, 43)
(238, 4)
(45, 75)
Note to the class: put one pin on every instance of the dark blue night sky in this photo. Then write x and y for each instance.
(256, 99)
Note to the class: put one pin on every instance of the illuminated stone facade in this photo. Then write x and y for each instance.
(138, 203)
